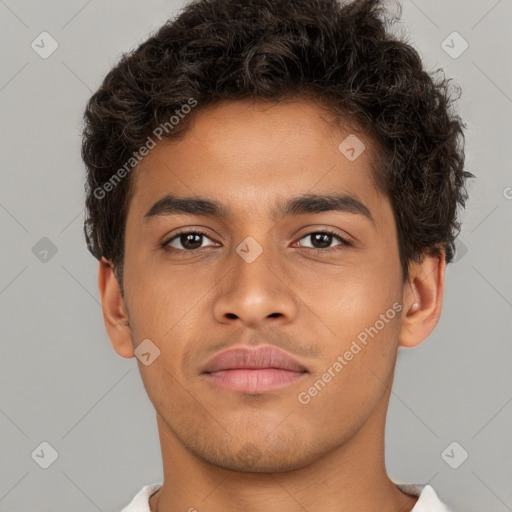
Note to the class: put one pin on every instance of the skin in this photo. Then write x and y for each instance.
(226, 450)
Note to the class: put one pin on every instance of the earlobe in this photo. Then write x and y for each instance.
(115, 313)
(423, 300)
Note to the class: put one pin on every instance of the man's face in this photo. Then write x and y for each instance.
(307, 294)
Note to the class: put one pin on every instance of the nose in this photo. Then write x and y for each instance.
(255, 293)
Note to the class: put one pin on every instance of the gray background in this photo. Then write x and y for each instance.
(62, 383)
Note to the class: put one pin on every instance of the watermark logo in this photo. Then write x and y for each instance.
(461, 250)
(454, 455)
(44, 455)
(44, 250)
(249, 454)
(146, 352)
(352, 147)
(249, 249)
(304, 397)
(454, 45)
(44, 45)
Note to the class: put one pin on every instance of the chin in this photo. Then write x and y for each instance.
(257, 456)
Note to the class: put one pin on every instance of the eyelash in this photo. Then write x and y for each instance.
(343, 243)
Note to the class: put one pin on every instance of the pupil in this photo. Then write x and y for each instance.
(325, 239)
(188, 243)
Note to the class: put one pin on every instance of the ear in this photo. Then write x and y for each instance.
(115, 313)
(423, 300)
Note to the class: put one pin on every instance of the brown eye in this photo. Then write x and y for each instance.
(186, 241)
(322, 240)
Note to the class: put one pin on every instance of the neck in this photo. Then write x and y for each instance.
(349, 477)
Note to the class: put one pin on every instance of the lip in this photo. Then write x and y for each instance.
(253, 369)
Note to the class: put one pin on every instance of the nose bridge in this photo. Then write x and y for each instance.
(253, 258)
(251, 262)
(252, 290)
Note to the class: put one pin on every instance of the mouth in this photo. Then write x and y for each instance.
(253, 369)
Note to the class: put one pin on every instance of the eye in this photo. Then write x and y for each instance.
(188, 240)
(323, 239)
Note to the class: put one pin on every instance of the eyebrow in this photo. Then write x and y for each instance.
(299, 205)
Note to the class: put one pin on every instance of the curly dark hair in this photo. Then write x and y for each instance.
(339, 54)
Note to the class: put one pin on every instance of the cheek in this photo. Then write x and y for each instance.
(350, 381)
(362, 308)
(352, 297)
(170, 309)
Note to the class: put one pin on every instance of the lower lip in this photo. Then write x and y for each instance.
(255, 380)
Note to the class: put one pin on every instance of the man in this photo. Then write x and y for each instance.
(272, 196)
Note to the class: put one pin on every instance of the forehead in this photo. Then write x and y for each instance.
(242, 154)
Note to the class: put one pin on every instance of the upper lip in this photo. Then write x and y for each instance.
(253, 358)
